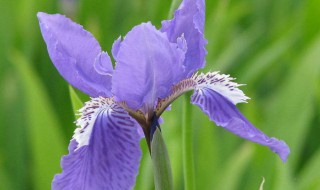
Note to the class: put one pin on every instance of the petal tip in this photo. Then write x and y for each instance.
(40, 14)
(284, 152)
(43, 17)
(281, 148)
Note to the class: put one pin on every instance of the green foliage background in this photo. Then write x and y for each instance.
(273, 46)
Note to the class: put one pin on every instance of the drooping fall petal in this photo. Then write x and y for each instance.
(105, 152)
(216, 95)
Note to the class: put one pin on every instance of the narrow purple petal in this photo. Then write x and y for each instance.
(116, 47)
(111, 159)
(147, 66)
(225, 114)
(73, 51)
(189, 21)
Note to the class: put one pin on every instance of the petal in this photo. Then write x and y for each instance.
(115, 47)
(103, 66)
(213, 80)
(222, 84)
(110, 158)
(217, 96)
(147, 66)
(225, 114)
(189, 20)
(73, 51)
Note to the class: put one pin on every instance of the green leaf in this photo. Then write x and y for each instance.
(144, 180)
(45, 140)
(161, 163)
(173, 7)
(265, 58)
(172, 135)
(262, 183)
(5, 182)
(234, 168)
(13, 136)
(187, 144)
(295, 100)
(75, 100)
(207, 142)
(309, 176)
(283, 176)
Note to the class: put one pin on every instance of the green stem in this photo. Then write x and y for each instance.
(161, 163)
(187, 145)
(173, 7)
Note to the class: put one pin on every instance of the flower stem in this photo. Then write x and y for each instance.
(161, 163)
(187, 145)
(173, 7)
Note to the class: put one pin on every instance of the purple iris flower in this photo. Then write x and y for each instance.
(153, 68)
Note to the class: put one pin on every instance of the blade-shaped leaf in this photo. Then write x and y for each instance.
(75, 100)
(144, 179)
(262, 183)
(5, 182)
(310, 175)
(46, 143)
(234, 168)
(295, 100)
(161, 163)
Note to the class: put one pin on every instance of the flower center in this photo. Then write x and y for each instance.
(148, 122)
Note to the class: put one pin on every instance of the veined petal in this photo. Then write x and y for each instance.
(217, 96)
(74, 52)
(105, 152)
(147, 66)
(221, 83)
(189, 20)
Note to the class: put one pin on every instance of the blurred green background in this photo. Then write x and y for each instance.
(273, 46)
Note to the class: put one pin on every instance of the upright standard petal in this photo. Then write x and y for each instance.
(105, 152)
(189, 20)
(74, 52)
(147, 66)
(216, 95)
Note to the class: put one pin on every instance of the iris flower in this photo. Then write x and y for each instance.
(153, 68)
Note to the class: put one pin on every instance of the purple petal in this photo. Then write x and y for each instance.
(189, 21)
(221, 83)
(103, 66)
(115, 47)
(225, 114)
(111, 159)
(73, 51)
(147, 66)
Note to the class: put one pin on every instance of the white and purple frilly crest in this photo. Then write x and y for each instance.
(153, 67)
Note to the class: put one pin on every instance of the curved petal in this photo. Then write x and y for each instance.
(225, 114)
(102, 68)
(115, 47)
(73, 51)
(189, 20)
(221, 83)
(110, 159)
(147, 66)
